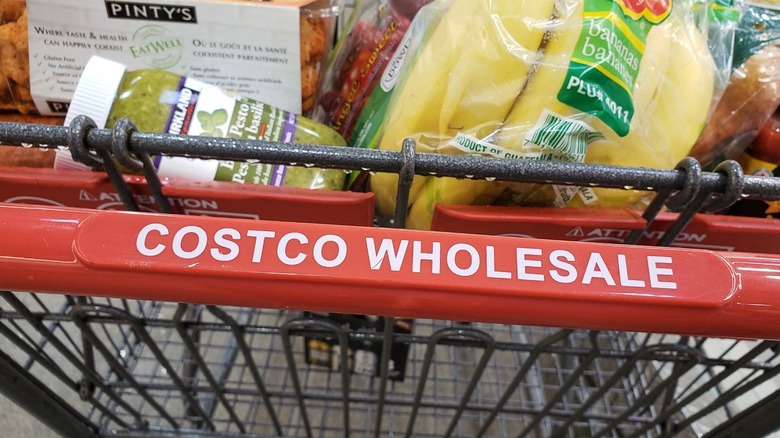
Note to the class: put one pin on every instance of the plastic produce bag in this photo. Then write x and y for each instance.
(753, 92)
(621, 82)
(360, 61)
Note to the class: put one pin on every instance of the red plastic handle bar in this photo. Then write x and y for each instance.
(705, 231)
(402, 273)
(94, 190)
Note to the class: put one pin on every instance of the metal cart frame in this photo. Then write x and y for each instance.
(106, 341)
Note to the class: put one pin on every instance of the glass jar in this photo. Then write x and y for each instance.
(161, 101)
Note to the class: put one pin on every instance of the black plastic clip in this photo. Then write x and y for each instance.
(405, 179)
(120, 145)
(706, 201)
(115, 175)
(120, 138)
(77, 142)
(690, 199)
(735, 184)
(683, 198)
(668, 196)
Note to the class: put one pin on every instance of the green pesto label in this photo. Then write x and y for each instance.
(605, 63)
(252, 120)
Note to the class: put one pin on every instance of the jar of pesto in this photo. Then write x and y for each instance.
(162, 101)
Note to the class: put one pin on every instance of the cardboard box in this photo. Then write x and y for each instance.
(270, 50)
(14, 71)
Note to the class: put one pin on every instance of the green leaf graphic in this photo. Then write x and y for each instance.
(219, 117)
(204, 117)
(211, 121)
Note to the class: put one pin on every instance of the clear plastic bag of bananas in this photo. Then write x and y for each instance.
(619, 82)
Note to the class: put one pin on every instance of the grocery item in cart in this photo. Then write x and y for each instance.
(364, 357)
(317, 29)
(761, 158)
(752, 93)
(273, 48)
(622, 83)
(461, 79)
(360, 61)
(13, 155)
(161, 101)
(14, 59)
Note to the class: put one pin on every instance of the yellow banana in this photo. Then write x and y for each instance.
(540, 95)
(548, 79)
(671, 99)
(449, 191)
(464, 80)
(673, 95)
(414, 107)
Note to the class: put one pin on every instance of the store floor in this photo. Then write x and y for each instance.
(17, 422)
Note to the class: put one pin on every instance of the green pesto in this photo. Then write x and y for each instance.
(144, 97)
(311, 132)
(139, 99)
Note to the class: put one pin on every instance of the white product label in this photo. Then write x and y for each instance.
(199, 108)
(587, 195)
(559, 138)
(247, 47)
(470, 144)
(394, 70)
(365, 362)
(553, 138)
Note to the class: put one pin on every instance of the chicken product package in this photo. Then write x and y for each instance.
(623, 82)
(274, 48)
(14, 72)
(753, 91)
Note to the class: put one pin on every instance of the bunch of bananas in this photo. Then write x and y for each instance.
(492, 70)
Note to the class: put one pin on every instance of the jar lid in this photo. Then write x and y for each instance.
(94, 97)
(96, 90)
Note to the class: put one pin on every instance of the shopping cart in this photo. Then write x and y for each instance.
(155, 324)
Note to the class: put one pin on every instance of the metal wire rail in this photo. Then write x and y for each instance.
(132, 367)
(686, 188)
(149, 377)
